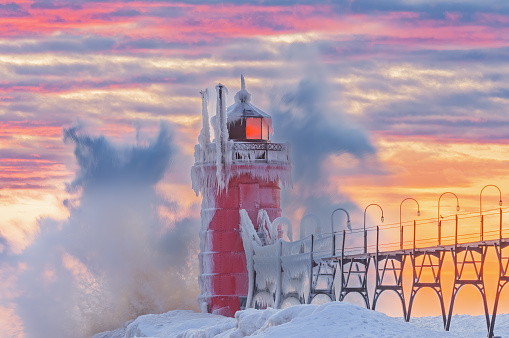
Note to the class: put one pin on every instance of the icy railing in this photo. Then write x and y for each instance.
(277, 153)
(297, 261)
(266, 265)
(322, 247)
(285, 268)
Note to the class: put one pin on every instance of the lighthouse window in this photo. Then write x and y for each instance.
(254, 128)
(265, 129)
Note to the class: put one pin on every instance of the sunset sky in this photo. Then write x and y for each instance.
(381, 100)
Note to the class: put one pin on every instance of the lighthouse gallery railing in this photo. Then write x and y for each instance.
(245, 152)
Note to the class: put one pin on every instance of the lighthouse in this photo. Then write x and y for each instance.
(240, 169)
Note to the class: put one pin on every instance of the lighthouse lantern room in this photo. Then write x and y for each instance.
(240, 170)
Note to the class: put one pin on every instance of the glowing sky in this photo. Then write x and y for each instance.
(425, 84)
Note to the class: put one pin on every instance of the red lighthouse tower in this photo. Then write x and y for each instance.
(240, 169)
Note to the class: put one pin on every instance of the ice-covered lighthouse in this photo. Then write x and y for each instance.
(240, 169)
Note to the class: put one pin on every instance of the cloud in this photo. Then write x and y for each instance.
(12, 10)
(315, 129)
(305, 115)
(114, 258)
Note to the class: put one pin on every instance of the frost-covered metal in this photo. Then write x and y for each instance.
(262, 161)
(284, 269)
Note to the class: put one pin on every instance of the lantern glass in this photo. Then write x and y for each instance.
(253, 128)
(265, 129)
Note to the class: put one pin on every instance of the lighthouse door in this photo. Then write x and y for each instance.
(250, 200)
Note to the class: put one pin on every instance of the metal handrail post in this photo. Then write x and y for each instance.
(439, 232)
(482, 228)
(365, 232)
(500, 230)
(348, 225)
(480, 205)
(414, 237)
(456, 233)
(400, 226)
(438, 216)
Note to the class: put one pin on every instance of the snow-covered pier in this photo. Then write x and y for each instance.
(320, 268)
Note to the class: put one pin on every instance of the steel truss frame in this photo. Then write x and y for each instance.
(325, 270)
(432, 260)
(473, 256)
(362, 275)
(347, 264)
(503, 279)
(395, 270)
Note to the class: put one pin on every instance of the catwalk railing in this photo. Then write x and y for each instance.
(329, 267)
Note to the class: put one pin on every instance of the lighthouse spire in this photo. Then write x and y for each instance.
(242, 95)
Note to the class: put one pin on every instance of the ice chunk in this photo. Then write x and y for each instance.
(204, 137)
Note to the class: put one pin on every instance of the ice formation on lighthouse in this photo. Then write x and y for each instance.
(240, 169)
(223, 148)
(266, 226)
(224, 151)
(204, 137)
(265, 262)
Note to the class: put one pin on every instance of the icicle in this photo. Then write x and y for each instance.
(265, 225)
(296, 266)
(204, 137)
(221, 136)
(249, 240)
(207, 179)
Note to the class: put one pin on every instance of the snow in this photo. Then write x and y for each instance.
(179, 323)
(333, 319)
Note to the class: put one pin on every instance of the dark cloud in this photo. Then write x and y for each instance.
(119, 13)
(154, 43)
(57, 4)
(166, 12)
(12, 10)
(101, 163)
(62, 44)
(129, 12)
(425, 10)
